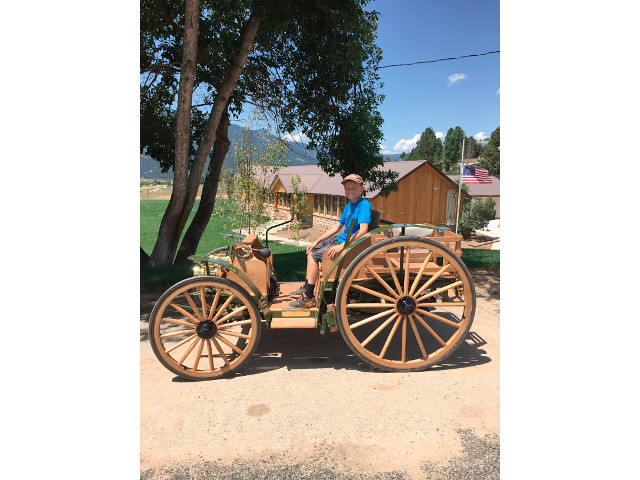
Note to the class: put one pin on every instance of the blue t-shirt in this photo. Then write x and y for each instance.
(361, 211)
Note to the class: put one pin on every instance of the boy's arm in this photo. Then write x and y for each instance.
(364, 229)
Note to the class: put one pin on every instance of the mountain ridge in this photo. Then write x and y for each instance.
(297, 154)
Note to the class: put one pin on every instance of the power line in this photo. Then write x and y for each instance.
(440, 59)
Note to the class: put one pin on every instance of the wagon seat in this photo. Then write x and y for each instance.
(257, 266)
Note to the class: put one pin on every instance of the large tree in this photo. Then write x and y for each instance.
(428, 147)
(311, 64)
(491, 155)
(452, 148)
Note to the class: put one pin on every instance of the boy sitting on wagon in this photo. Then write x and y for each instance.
(358, 208)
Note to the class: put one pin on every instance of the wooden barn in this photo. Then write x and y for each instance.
(425, 194)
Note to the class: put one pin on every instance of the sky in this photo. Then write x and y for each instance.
(442, 95)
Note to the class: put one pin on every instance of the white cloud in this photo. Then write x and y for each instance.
(457, 78)
(498, 92)
(440, 135)
(298, 137)
(405, 145)
(479, 136)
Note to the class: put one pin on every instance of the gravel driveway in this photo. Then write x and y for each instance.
(307, 408)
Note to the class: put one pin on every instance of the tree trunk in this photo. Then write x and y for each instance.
(209, 190)
(169, 234)
(217, 110)
(144, 258)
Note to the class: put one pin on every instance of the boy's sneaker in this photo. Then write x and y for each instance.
(303, 302)
(297, 292)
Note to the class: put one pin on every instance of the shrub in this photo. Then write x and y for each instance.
(473, 218)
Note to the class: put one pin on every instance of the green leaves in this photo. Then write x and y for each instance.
(491, 154)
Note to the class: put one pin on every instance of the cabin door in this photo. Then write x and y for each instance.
(452, 205)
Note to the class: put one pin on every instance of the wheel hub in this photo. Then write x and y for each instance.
(406, 305)
(206, 329)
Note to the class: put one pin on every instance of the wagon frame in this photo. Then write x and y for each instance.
(401, 302)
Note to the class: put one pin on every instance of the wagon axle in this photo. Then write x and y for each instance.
(206, 329)
(406, 306)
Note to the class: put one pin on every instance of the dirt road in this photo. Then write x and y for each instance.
(307, 407)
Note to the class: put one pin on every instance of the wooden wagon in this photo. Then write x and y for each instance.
(401, 302)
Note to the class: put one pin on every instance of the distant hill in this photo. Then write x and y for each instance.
(297, 155)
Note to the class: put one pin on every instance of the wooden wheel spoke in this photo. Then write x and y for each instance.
(373, 292)
(439, 290)
(371, 319)
(203, 301)
(234, 324)
(198, 355)
(232, 314)
(442, 304)
(382, 282)
(189, 350)
(229, 344)
(223, 307)
(175, 334)
(407, 269)
(404, 339)
(392, 271)
(214, 303)
(432, 279)
(181, 343)
(431, 331)
(187, 295)
(379, 329)
(417, 279)
(437, 317)
(233, 334)
(210, 353)
(415, 332)
(175, 321)
(368, 305)
(222, 354)
(391, 334)
(185, 313)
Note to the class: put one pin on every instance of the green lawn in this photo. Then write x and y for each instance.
(475, 258)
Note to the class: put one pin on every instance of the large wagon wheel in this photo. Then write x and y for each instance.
(204, 328)
(405, 303)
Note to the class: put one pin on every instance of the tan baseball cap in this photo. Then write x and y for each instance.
(354, 178)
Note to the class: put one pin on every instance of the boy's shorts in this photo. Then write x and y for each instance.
(318, 250)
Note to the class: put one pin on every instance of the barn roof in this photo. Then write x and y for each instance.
(318, 182)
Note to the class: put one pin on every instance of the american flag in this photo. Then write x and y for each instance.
(475, 175)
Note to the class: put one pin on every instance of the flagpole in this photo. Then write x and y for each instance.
(460, 185)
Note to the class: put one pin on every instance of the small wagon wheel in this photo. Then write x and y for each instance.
(405, 303)
(204, 328)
